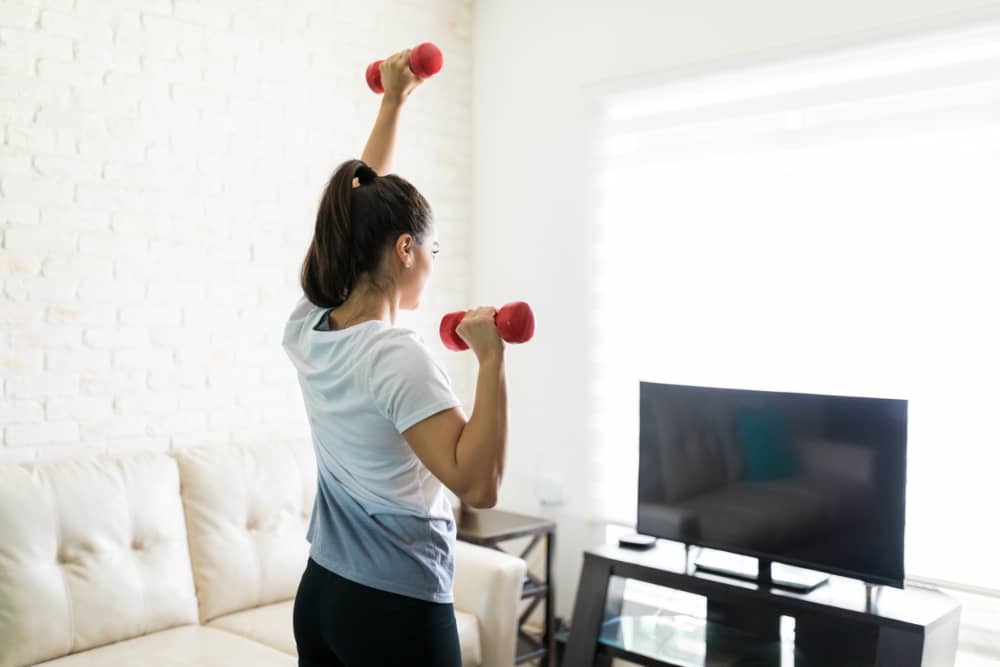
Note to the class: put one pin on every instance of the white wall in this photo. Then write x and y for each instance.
(160, 166)
(536, 67)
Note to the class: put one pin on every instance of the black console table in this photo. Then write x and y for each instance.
(842, 622)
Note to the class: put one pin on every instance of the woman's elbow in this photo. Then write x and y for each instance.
(483, 498)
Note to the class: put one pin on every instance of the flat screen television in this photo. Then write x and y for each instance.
(807, 480)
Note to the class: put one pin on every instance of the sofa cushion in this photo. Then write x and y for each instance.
(247, 510)
(188, 646)
(272, 625)
(93, 551)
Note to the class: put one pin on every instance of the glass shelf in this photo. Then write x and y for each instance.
(681, 640)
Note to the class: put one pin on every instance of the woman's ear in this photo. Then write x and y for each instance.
(405, 248)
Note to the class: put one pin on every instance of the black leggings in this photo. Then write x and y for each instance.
(340, 622)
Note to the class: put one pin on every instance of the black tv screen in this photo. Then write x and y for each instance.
(808, 480)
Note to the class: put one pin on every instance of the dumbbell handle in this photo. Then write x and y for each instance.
(425, 60)
(515, 323)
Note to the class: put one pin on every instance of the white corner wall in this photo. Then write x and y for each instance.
(160, 166)
(536, 66)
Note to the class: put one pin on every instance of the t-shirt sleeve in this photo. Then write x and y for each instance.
(407, 384)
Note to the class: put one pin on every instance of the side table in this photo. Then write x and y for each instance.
(488, 528)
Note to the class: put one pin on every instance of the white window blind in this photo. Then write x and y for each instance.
(827, 224)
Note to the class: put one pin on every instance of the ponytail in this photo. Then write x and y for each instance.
(353, 228)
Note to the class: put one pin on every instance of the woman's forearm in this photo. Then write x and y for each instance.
(381, 144)
(481, 452)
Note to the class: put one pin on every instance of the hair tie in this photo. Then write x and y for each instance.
(365, 174)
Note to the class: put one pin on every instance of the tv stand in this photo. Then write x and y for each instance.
(840, 623)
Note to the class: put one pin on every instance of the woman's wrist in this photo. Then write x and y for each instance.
(393, 100)
(492, 359)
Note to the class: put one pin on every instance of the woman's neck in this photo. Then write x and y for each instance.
(357, 309)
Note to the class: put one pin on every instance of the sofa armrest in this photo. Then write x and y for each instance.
(488, 585)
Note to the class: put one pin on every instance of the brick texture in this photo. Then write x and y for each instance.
(160, 166)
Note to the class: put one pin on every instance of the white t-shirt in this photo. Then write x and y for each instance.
(380, 517)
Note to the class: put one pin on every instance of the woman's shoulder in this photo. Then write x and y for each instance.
(399, 338)
(401, 346)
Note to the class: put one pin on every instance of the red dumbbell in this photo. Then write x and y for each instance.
(425, 60)
(515, 324)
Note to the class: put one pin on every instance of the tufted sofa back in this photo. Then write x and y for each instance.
(247, 508)
(94, 551)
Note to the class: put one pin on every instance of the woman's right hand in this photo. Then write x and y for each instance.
(479, 331)
(397, 79)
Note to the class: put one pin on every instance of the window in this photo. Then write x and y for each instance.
(824, 225)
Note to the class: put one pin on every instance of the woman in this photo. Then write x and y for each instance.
(387, 429)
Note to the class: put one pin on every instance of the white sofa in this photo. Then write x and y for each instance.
(190, 557)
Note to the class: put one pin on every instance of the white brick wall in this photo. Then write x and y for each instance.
(160, 166)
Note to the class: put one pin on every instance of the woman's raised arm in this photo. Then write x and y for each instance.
(398, 82)
(382, 141)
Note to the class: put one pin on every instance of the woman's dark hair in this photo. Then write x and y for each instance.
(353, 228)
